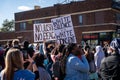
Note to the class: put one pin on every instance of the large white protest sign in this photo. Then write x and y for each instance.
(43, 31)
(63, 28)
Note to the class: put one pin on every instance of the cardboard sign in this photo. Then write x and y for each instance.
(64, 31)
(43, 31)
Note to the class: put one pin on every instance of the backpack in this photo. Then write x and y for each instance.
(59, 68)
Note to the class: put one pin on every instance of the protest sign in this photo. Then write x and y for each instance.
(64, 31)
(43, 31)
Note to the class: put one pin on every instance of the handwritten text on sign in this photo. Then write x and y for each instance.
(43, 31)
(64, 31)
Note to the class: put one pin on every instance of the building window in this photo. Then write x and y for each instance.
(80, 19)
(22, 26)
(117, 16)
(39, 21)
(116, 4)
(103, 35)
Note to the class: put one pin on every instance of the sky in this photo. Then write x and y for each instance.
(9, 7)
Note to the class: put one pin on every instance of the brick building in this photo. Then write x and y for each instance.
(94, 21)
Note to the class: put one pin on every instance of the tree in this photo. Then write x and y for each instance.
(8, 25)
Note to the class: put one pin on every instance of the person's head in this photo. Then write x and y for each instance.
(26, 44)
(13, 61)
(73, 48)
(116, 44)
(61, 47)
(86, 44)
(87, 48)
(15, 43)
(111, 50)
(99, 49)
(9, 43)
(50, 47)
(39, 59)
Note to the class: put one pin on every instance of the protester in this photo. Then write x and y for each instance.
(49, 64)
(14, 67)
(90, 58)
(8, 46)
(98, 56)
(13, 44)
(2, 52)
(16, 44)
(28, 49)
(116, 43)
(39, 59)
(57, 61)
(110, 66)
(76, 68)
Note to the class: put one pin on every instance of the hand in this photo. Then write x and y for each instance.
(29, 59)
(35, 54)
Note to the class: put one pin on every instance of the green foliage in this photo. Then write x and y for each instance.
(7, 26)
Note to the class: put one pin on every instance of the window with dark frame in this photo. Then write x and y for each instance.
(116, 4)
(22, 26)
(117, 16)
(80, 19)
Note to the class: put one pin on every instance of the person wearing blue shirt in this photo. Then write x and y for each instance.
(14, 67)
(77, 68)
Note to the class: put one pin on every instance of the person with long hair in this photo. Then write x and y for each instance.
(14, 67)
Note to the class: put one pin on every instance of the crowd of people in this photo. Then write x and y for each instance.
(53, 61)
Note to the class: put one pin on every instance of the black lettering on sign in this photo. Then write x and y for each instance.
(54, 24)
(64, 34)
(48, 35)
(51, 35)
(38, 36)
(67, 40)
(57, 24)
(45, 35)
(38, 28)
(69, 33)
(67, 22)
(60, 23)
(57, 36)
(61, 34)
(47, 27)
